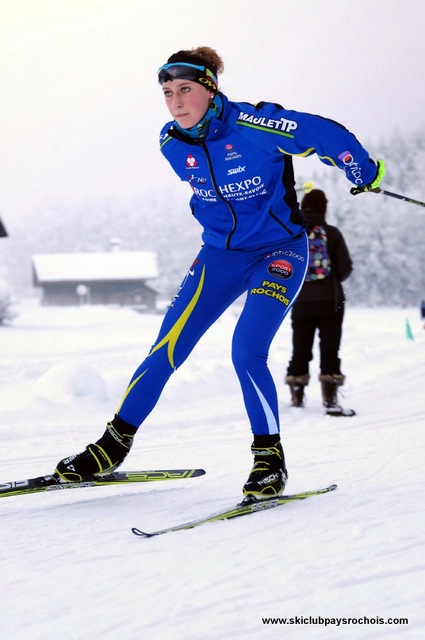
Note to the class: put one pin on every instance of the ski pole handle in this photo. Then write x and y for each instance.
(356, 190)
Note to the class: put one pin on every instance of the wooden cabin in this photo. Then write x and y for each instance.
(113, 277)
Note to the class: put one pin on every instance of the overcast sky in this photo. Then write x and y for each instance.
(80, 108)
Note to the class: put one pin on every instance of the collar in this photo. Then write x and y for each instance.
(200, 130)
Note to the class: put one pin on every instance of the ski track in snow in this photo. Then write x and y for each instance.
(70, 565)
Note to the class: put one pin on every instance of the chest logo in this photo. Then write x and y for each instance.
(191, 162)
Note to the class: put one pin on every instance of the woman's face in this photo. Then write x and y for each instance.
(187, 101)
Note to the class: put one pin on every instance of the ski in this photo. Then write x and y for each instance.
(244, 508)
(51, 483)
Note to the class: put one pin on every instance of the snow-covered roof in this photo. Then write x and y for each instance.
(90, 267)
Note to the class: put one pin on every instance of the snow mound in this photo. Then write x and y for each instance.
(65, 381)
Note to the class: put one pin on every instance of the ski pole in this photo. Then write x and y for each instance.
(354, 191)
(399, 197)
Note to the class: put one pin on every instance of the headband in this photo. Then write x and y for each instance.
(188, 71)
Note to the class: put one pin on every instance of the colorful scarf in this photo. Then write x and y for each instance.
(200, 129)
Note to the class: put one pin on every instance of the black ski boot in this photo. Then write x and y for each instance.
(103, 456)
(330, 385)
(268, 476)
(296, 385)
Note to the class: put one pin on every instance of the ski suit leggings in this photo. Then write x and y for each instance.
(272, 280)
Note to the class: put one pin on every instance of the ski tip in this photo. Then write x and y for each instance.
(141, 534)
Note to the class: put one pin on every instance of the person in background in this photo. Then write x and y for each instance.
(237, 159)
(320, 308)
(3, 232)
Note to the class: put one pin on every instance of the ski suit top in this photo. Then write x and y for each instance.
(241, 173)
(255, 243)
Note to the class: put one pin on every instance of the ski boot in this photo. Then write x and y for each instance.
(103, 456)
(330, 385)
(296, 385)
(268, 476)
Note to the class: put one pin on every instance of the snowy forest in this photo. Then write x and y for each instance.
(385, 236)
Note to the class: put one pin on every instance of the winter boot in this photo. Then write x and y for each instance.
(103, 456)
(296, 385)
(330, 384)
(268, 475)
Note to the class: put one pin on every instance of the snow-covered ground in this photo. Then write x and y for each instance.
(70, 566)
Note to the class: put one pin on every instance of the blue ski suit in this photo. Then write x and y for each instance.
(254, 242)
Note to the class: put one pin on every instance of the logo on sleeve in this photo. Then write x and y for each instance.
(261, 122)
(351, 166)
(345, 157)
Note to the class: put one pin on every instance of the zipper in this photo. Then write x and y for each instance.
(217, 190)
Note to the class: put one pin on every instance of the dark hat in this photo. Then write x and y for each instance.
(315, 200)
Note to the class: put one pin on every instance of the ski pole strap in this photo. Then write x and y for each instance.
(356, 190)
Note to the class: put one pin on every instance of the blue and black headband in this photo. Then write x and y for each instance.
(194, 68)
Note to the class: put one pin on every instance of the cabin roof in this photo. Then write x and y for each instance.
(94, 267)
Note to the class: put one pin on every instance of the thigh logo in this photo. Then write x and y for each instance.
(191, 272)
(271, 290)
(280, 269)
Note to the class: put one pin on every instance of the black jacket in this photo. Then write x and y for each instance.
(329, 288)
